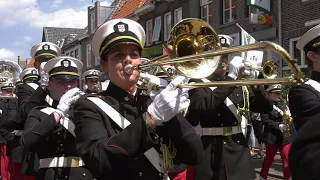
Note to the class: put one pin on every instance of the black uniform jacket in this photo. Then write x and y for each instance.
(304, 102)
(5, 135)
(304, 154)
(113, 153)
(14, 150)
(49, 139)
(271, 133)
(224, 154)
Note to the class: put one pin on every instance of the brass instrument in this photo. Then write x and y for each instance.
(286, 119)
(270, 69)
(9, 71)
(199, 45)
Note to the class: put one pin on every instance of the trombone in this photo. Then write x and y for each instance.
(196, 52)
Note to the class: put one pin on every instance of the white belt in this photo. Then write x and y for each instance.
(61, 162)
(221, 131)
(17, 132)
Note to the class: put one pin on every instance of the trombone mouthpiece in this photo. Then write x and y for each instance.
(128, 68)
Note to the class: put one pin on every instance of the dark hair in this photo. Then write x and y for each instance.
(309, 47)
(44, 58)
(31, 80)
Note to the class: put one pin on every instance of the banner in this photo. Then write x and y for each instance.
(263, 5)
(250, 57)
(259, 19)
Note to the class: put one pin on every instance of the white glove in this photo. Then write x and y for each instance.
(44, 77)
(235, 65)
(154, 81)
(70, 97)
(169, 102)
(282, 127)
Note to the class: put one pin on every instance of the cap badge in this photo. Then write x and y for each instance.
(223, 40)
(34, 72)
(65, 63)
(46, 47)
(121, 27)
(94, 73)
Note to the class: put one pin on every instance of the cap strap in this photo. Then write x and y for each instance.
(117, 38)
(65, 73)
(44, 54)
(29, 77)
(316, 44)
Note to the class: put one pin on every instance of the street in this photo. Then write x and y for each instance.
(275, 172)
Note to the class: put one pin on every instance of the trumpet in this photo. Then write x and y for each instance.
(195, 52)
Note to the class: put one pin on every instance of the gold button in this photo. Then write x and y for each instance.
(126, 99)
(58, 133)
(221, 124)
(61, 145)
(235, 123)
(237, 95)
(140, 174)
(224, 142)
(218, 114)
(66, 177)
(63, 155)
(160, 174)
(84, 174)
(238, 142)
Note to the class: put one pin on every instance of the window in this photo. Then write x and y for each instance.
(229, 10)
(167, 26)
(105, 12)
(177, 15)
(157, 29)
(149, 32)
(93, 22)
(96, 61)
(71, 54)
(206, 13)
(76, 53)
(296, 54)
(88, 55)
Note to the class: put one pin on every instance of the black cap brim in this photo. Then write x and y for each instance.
(122, 41)
(64, 77)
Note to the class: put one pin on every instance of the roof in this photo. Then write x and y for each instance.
(127, 7)
(30, 64)
(53, 34)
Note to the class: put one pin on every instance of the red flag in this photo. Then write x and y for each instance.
(164, 50)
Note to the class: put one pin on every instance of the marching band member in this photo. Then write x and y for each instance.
(273, 134)
(223, 131)
(6, 136)
(122, 135)
(91, 78)
(304, 103)
(49, 131)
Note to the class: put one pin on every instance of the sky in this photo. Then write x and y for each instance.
(22, 22)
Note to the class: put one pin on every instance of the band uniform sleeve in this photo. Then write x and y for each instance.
(204, 99)
(304, 104)
(259, 100)
(9, 117)
(35, 99)
(37, 128)
(269, 122)
(102, 147)
(187, 141)
(304, 155)
(24, 92)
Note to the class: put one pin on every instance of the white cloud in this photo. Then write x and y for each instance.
(56, 3)
(6, 54)
(27, 12)
(27, 38)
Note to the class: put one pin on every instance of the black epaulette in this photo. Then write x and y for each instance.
(92, 95)
(39, 107)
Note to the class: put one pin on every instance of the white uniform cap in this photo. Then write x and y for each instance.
(91, 74)
(45, 49)
(309, 36)
(29, 73)
(115, 32)
(63, 67)
(274, 88)
(225, 41)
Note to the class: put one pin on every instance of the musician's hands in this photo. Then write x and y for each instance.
(153, 82)
(235, 65)
(282, 127)
(169, 102)
(44, 77)
(67, 100)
